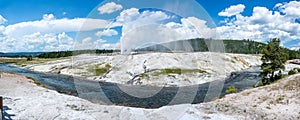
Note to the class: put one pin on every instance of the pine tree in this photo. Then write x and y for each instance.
(273, 60)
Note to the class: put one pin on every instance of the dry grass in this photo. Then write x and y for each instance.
(23, 61)
(12, 60)
(38, 61)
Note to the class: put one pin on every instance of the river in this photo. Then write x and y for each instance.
(112, 93)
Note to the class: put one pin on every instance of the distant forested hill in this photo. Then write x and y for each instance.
(200, 45)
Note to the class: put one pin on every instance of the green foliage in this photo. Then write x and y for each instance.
(231, 89)
(100, 71)
(293, 71)
(274, 58)
(292, 54)
(243, 46)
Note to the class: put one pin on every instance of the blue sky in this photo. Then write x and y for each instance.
(51, 25)
(27, 10)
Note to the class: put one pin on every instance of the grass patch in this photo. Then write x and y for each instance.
(144, 75)
(166, 71)
(24, 62)
(98, 71)
(172, 71)
(12, 60)
(231, 89)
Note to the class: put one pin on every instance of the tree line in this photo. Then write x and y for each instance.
(60, 54)
(245, 46)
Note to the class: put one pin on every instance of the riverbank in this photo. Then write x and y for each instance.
(137, 95)
(25, 100)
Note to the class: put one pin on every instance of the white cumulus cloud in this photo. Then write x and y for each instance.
(48, 17)
(264, 24)
(47, 34)
(89, 43)
(147, 27)
(36, 42)
(51, 25)
(131, 18)
(232, 10)
(109, 8)
(291, 8)
(114, 46)
(106, 32)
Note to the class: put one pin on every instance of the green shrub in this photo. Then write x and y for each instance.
(260, 83)
(231, 89)
(293, 71)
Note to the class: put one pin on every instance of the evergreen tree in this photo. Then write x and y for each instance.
(273, 60)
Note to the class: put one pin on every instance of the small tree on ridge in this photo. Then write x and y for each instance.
(273, 60)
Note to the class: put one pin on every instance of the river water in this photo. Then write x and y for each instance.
(113, 93)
